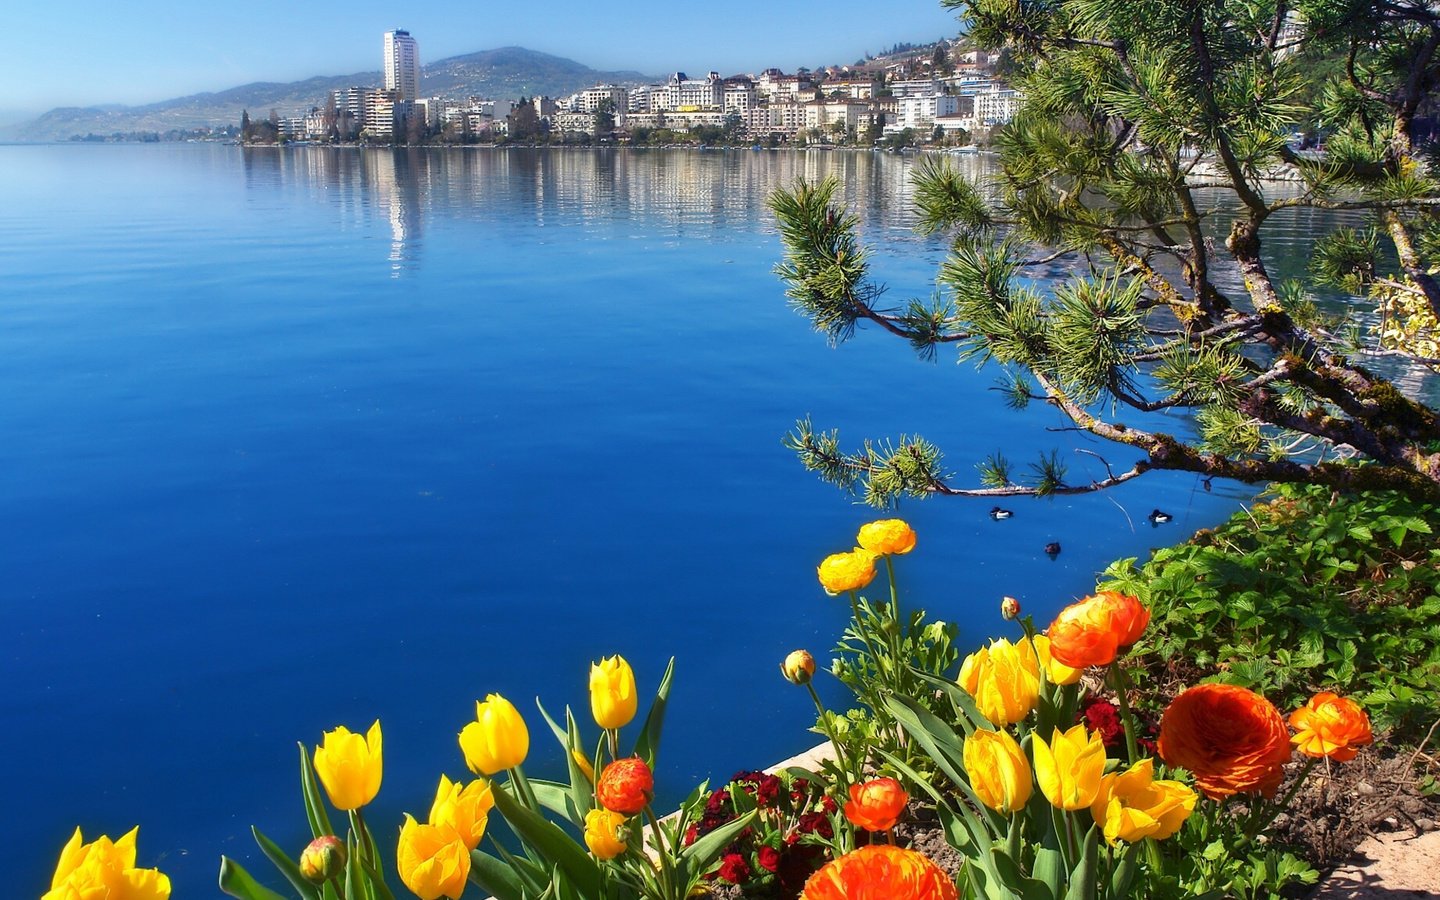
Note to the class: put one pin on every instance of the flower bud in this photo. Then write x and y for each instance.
(798, 667)
(323, 859)
(1009, 608)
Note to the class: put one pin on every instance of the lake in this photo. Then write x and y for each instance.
(302, 437)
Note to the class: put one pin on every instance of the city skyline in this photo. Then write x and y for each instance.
(84, 53)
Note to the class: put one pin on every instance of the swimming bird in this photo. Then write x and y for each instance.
(997, 513)
(1052, 549)
(1157, 517)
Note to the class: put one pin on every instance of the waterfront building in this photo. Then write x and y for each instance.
(918, 87)
(590, 99)
(739, 94)
(921, 112)
(402, 64)
(997, 106)
(684, 92)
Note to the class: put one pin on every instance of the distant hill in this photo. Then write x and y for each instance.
(506, 73)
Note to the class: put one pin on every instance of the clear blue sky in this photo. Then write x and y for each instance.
(83, 52)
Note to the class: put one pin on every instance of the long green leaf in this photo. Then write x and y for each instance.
(647, 745)
(558, 799)
(495, 877)
(938, 739)
(532, 874)
(1125, 871)
(551, 842)
(286, 865)
(237, 882)
(1015, 880)
(1086, 872)
(314, 804)
(697, 857)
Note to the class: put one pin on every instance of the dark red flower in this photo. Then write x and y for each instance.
(734, 869)
(767, 790)
(769, 859)
(692, 834)
(719, 801)
(1102, 716)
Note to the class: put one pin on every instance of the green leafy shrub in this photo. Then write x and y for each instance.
(1306, 591)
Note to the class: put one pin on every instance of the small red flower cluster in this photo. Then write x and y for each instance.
(1100, 715)
(772, 850)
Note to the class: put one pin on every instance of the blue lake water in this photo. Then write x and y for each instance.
(296, 438)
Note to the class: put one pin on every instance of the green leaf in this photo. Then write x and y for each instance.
(647, 745)
(314, 804)
(696, 858)
(1083, 877)
(495, 877)
(1016, 881)
(551, 842)
(237, 882)
(285, 864)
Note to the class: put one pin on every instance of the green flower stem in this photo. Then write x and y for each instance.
(1132, 749)
(1262, 817)
(1122, 690)
(614, 735)
(894, 633)
(523, 790)
(363, 843)
(824, 719)
(667, 872)
(864, 632)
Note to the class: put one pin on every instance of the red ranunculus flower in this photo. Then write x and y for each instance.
(626, 786)
(768, 858)
(734, 868)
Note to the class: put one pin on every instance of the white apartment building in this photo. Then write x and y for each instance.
(824, 114)
(777, 87)
(918, 87)
(785, 119)
(998, 106)
(739, 95)
(921, 112)
(402, 64)
(590, 99)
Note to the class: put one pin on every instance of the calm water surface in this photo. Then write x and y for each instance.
(307, 437)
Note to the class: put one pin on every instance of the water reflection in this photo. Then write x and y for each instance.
(690, 194)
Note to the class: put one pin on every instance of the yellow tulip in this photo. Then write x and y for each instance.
(612, 692)
(350, 766)
(465, 809)
(602, 833)
(1055, 671)
(1004, 687)
(432, 860)
(497, 740)
(1132, 805)
(1069, 768)
(104, 868)
(998, 770)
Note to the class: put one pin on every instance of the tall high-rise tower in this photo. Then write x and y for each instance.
(402, 64)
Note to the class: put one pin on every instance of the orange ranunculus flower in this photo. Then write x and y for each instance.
(1093, 631)
(1133, 805)
(886, 537)
(1233, 740)
(851, 571)
(877, 871)
(876, 805)
(1330, 725)
(1003, 679)
(626, 786)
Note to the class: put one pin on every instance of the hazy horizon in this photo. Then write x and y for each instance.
(94, 54)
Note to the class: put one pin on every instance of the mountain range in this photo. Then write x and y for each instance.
(504, 73)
